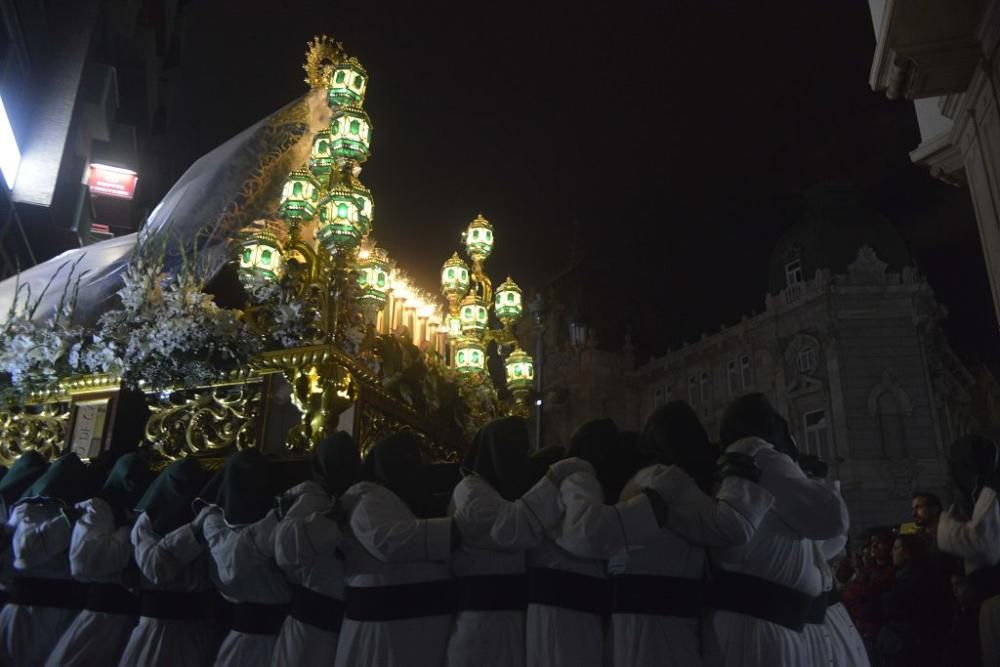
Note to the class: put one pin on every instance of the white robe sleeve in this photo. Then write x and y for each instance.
(727, 520)
(305, 534)
(387, 529)
(488, 520)
(591, 529)
(238, 549)
(99, 547)
(160, 559)
(976, 540)
(809, 507)
(37, 539)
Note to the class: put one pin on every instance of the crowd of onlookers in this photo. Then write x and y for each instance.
(910, 602)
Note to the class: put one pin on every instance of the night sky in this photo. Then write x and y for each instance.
(674, 138)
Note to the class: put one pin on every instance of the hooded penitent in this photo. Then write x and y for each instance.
(167, 501)
(394, 462)
(128, 480)
(499, 455)
(753, 416)
(67, 480)
(971, 459)
(675, 436)
(336, 463)
(244, 489)
(26, 469)
(597, 442)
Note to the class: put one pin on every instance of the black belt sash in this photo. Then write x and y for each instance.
(111, 599)
(656, 595)
(568, 590)
(41, 592)
(986, 581)
(493, 592)
(253, 618)
(316, 609)
(172, 605)
(760, 598)
(820, 603)
(393, 603)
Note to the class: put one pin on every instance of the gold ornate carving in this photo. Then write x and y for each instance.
(323, 53)
(208, 422)
(41, 428)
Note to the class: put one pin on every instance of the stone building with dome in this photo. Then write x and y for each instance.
(848, 347)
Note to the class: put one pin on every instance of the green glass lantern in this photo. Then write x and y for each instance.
(347, 84)
(470, 357)
(454, 278)
(321, 155)
(373, 276)
(260, 254)
(479, 238)
(345, 213)
(299, 197)
(351, 131)
(507, 302)
(520, 371)
(473, 315)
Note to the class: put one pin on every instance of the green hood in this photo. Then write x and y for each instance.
(244, 490)
(128, 480)
(167, 501)
(68, 480)
(26, 469)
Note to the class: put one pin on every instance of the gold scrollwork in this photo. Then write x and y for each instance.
(376, 424)
(41, 428)
(206, 422)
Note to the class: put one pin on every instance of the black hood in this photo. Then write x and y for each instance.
(394, 462)
(597, 442)
(336, 463)
(499, 455)
(753, 416)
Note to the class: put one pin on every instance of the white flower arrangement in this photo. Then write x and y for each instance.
(35, 355)
(168, 331)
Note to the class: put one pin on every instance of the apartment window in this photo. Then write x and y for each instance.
(892, 428)
(693, 390)
(705, 389)
(793, 273)
(746, 371)
(817, 430)
(807, 360)
(661, 395)
(733, 375)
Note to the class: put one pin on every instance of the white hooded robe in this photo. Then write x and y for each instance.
(305, 548)
(100, 552)
(696, 520)
(389, 546)
(495, 534)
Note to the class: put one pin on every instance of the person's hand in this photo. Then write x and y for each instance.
(735, 464)
(660, 508)
(560, 470)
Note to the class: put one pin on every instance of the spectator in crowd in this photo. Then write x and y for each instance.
(917, 608)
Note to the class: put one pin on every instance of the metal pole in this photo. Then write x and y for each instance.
(537, 307)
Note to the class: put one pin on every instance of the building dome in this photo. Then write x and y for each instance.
(833, 226)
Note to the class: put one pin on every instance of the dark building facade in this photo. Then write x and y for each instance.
(84, 83)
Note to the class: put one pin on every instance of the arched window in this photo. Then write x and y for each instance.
(693, 390)
(733, 376)
(706, 389)
(806, 360)
(746, 370)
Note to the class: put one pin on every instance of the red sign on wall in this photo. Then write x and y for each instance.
(111, 181)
